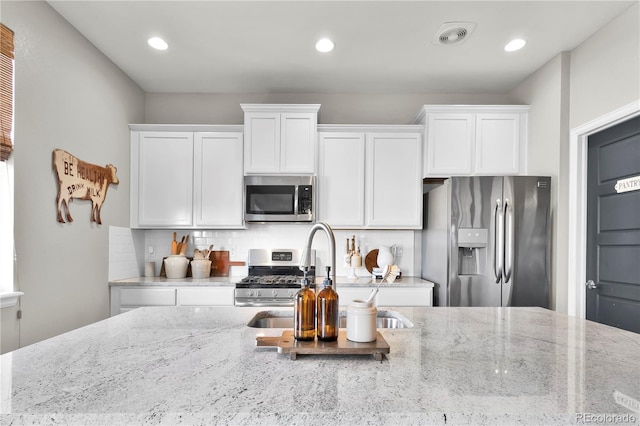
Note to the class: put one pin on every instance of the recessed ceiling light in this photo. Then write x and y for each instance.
(324, 45)
(158, 43)
(515, 44)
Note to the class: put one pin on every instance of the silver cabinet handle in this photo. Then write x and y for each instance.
(591, 285)
(508, 238)
(498, 252)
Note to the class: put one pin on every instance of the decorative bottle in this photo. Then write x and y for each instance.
(304, 313)
(328, 311)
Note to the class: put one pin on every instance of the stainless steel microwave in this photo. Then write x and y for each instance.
(279, 198)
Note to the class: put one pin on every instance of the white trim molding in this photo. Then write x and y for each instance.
(10, 298)
(578, 202)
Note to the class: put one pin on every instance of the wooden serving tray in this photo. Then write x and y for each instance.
(287, 344)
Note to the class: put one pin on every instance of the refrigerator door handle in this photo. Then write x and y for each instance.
(498, 250)
(508, 241)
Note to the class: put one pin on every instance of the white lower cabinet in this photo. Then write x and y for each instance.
(346, 295)
(399, 296)
(125, 298)
(206, 296)
(405, 296)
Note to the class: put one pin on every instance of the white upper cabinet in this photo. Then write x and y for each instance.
(498, 142)
(394, 180)
(370, 177)
(161, 179)
(341, 165)
(186, 178)
(218, 179)
(449, 144)
(280, 138)
(474, 140)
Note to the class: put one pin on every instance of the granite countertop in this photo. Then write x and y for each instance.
(342, 281)
(178, 365)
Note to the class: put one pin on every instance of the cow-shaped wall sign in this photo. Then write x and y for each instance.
(78, 179)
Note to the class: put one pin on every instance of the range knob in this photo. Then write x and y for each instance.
(250, 292)
(274, 293)
(291, 293)
(259, 293)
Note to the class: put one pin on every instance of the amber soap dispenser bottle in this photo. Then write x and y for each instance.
(328, 311)
(304, 313)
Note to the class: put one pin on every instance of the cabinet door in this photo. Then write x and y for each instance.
(262, 142)
(297, 142)
(405, 296)
(346, 295)
(218, 180)
(147, 297)
(206, 296)
(450, 139)
(497, 144)
(341, 174)
(164, 191)
(394, 180)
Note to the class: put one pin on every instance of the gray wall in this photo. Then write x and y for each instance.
(605, 69)
(70, 96)
(599, 76)
(172, 108)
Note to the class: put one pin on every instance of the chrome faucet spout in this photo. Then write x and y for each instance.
(305, 261)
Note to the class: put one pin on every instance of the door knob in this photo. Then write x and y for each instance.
(591, 285)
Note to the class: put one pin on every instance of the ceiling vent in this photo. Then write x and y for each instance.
(451, 33)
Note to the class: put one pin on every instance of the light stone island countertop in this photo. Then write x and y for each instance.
(178, 365)
(342, 281)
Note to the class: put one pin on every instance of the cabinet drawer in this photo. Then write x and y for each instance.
(405, 297)
(346, 295)
(211, 296)
(147, 297)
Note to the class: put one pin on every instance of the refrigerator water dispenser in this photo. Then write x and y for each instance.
(472, 251)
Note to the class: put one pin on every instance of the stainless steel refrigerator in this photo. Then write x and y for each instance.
(486, 241)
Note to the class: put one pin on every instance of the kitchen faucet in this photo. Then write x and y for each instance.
(305, 259)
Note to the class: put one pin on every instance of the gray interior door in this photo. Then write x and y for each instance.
(613, 226)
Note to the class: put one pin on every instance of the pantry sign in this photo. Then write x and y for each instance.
(628, 184)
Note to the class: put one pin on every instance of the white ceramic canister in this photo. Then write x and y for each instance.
(361, 321)
(200, 268)
(175, 266)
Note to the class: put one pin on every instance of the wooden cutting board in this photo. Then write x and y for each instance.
(220, 263)
(287, 344)
(371, 260)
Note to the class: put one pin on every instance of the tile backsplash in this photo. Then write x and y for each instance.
(157, 244)
(126, 253)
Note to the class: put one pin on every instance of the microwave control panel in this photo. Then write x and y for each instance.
(305, 199)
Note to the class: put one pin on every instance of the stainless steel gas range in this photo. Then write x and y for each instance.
(274, 277)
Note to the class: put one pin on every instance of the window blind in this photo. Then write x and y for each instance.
(6, 91)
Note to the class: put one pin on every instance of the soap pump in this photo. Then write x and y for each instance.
(304, 315)
(328, 311)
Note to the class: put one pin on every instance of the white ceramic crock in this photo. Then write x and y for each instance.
(200, 268)
(175, 266)
(361, 321)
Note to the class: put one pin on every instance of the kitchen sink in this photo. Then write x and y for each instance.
(284, 319)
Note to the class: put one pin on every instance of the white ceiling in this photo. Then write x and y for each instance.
(381, 46)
